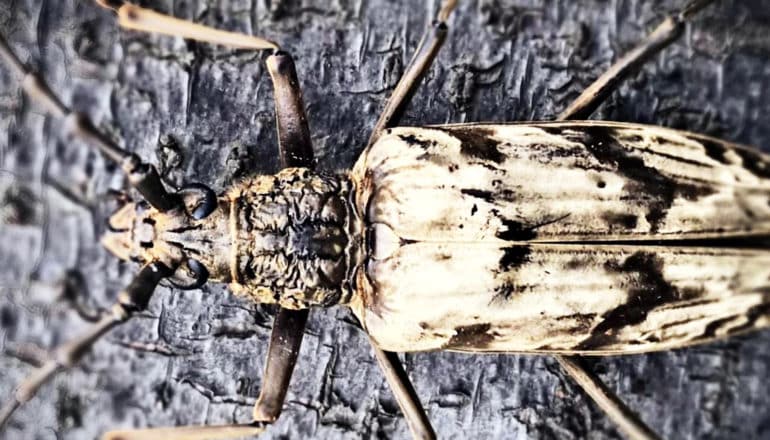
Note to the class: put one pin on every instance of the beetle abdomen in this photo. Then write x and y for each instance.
(539, 237)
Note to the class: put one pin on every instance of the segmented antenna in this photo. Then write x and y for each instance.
(142, 176)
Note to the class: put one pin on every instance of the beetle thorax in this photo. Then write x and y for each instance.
(290, 238)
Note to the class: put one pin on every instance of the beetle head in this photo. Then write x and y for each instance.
(193, 238)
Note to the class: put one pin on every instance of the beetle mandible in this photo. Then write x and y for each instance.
(480, 191)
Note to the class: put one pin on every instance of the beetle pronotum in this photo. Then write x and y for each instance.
(421, 138)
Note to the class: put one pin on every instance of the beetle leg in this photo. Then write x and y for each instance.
(136, 18)
(293, 132)
(131, 300)
(626, 420)
(426, 52)
(142, 176)
(667, 32)
(285, 340)
(189, 432)
(407, 398)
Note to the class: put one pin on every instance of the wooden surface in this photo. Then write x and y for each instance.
(197, 357)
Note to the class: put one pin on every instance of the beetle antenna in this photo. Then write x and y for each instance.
(144, 177)
(446, 10)
(131, 300)
(140, 19)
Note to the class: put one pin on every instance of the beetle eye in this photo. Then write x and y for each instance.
(199, 200)
(191, 275)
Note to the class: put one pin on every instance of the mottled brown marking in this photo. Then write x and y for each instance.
(503, 293)
(691, 293)
(620, 220)
(478, 143)
(755, 162)
(414, 141)
(647, 290)
(577, 316)
(645, 185)
(513, 257)
(577, 263)
(582, 326)
(715, 150)
(519, 231)
(486, 196)
(516, 231)
(474, 335)
(753, 315)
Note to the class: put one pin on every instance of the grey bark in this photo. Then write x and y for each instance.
(205, 114)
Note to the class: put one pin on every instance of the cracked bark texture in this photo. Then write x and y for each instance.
(204, 113)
